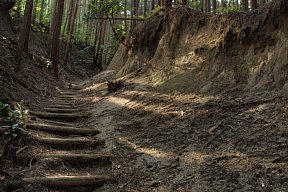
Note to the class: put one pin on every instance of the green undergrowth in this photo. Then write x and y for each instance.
(12, 120)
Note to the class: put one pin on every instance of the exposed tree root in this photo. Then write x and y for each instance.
(62, 129)
(66, 181)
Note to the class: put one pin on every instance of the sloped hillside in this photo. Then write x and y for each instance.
(187, 51)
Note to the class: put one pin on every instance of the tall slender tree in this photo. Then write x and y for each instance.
(56, 37)
(24, 32)
(244, 5)
(72, 17)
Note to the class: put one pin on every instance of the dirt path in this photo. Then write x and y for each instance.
(163, 142)
(139, 139)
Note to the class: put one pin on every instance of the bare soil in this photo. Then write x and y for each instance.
(166, 142)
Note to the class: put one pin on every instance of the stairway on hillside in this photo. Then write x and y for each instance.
(75, 158)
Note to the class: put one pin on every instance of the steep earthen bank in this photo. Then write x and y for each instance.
(187, 51)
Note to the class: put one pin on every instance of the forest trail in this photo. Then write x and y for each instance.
(62, 144)
(137, 138)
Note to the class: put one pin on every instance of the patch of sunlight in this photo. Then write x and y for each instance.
(190, 59)
(149, 151)
(119, 100)
(258, 108)
(94, 87)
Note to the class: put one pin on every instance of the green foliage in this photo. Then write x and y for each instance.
(228, 9)
(14, 118)
(159, 10)
(196, 5)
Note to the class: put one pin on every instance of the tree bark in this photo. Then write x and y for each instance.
(253, 4)
(56, 37)
(72, 17)
(244, 5)
(24, 33)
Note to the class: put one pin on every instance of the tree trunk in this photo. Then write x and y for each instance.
(214, 5)
(56, 37)
(262, 2)
(25, 31)
(253, 4)
(184, 2)
(34, 12)
(72, 17)
(244, 5)
(152, 5)
(41, 12)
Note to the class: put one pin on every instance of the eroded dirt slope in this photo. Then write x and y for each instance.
(187, 51)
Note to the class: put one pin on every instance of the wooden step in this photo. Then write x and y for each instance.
(62, 129)
(100, 157)
(59, 110)
(62, 106)
(70, 142)
(49, 122)
(63, 116)
(68, 93)
(66, 96)
(68, 181)
(67, 103)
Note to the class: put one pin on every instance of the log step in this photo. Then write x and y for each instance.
(59, 110)
(62, 106)
(68, 181)
(49, 122)
(67, 103)
(64, 116)
(62, 129)
(71, 142)
(67, 96)
(79, 158)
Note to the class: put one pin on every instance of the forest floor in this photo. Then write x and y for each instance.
(163, 142)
